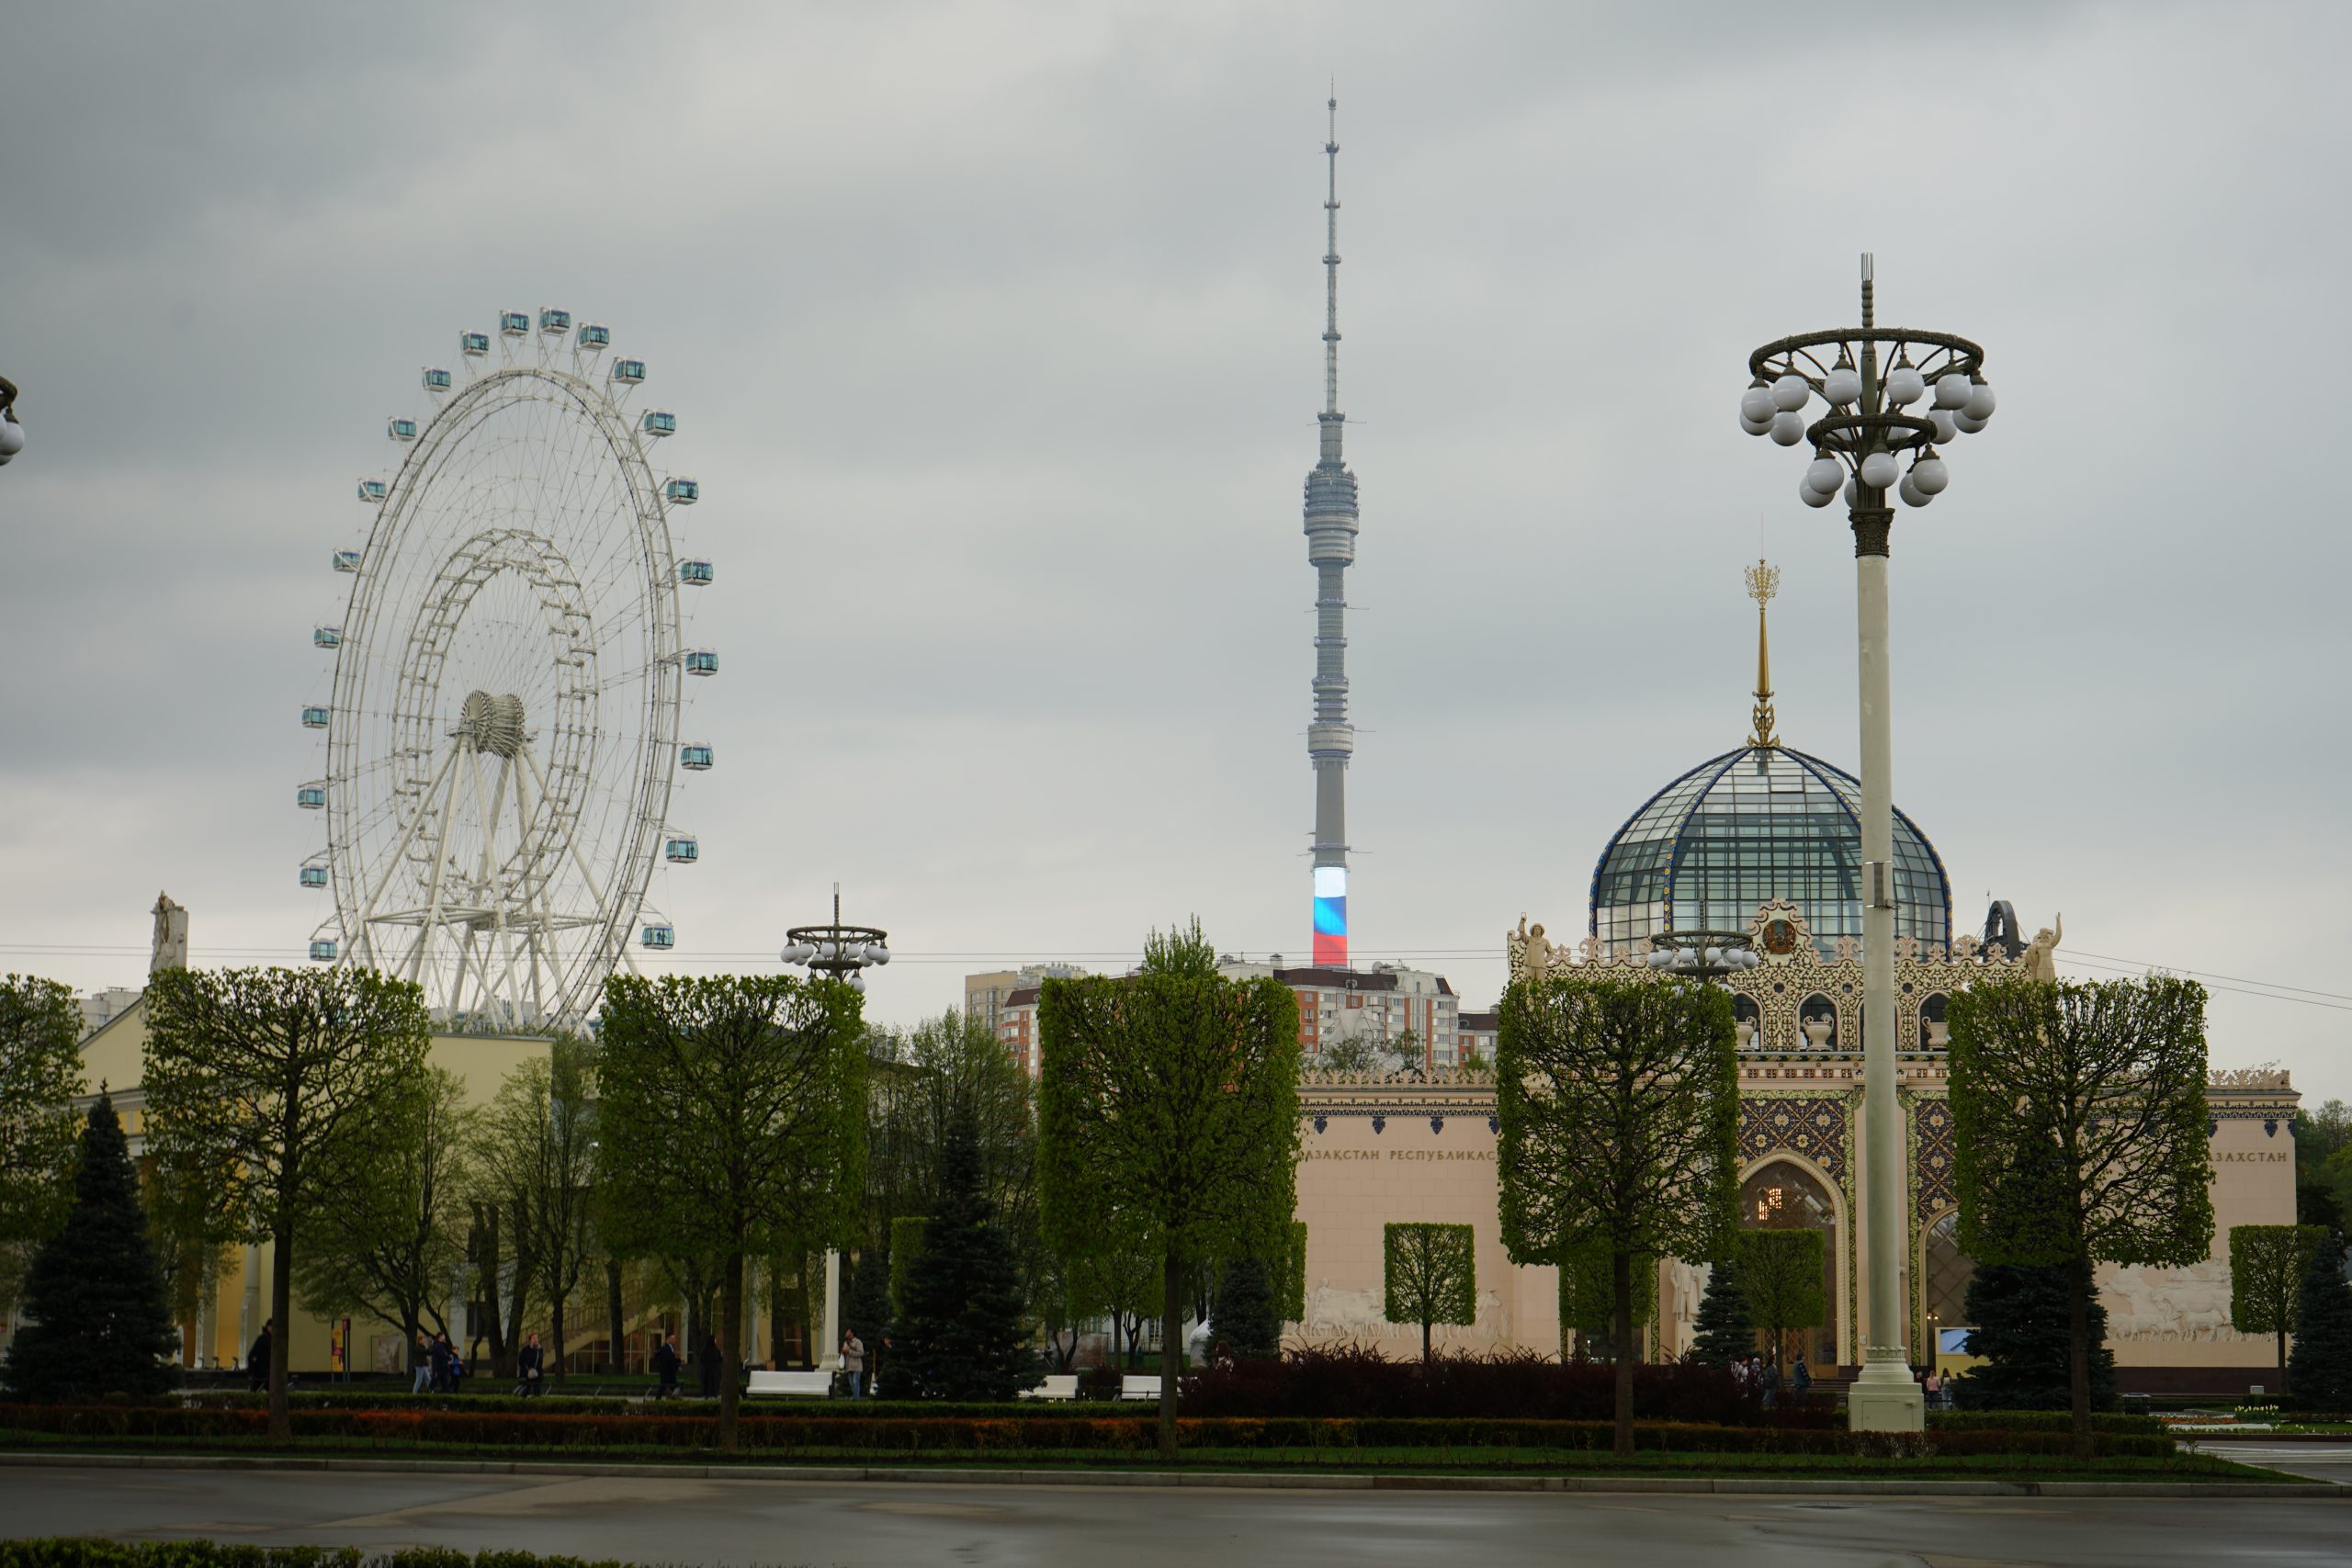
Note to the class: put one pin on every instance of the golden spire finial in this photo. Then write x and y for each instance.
(1763, 582)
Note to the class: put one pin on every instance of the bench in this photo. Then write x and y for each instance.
(815, 1385)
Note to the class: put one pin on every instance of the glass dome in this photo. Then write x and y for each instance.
(1762, 822)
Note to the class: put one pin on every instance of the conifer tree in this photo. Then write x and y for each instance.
(959, 1333)
(95, 1294)
(1245, 1318)
(2321, 1361)
(868, 1311)
(1726, 1328)
(2020, 1312)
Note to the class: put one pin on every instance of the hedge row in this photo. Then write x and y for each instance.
(784, 1435)
(83, 1551)
(2039, 1421)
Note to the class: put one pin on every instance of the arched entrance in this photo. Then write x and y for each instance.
(1945, 1272)
(1780, 1194)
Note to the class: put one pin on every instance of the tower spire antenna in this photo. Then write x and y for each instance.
(1763, 582)
(1331, 275)
(1331, 548)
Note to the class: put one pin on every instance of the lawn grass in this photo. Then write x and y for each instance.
(2182, 1467)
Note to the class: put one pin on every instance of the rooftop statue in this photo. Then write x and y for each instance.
(2041, 953)
(171, 936)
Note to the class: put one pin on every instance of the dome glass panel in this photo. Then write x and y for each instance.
(1760, 823)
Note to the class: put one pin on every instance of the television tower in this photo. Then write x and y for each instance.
(1331, 549)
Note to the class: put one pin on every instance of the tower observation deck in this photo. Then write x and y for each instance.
(1331, 549)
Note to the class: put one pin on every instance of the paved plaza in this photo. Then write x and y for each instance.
(779, 1521)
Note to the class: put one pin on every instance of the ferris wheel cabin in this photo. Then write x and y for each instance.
(324, 949)
(660, 936)
(437, 381)
(313, 873)
(682, 492)
(554, 321)
(683, 848)
(312, 796)
(373, 491)
(401, 429)
(314, 718)
(473, 345)
(593, 337)
(701, 662)
(326, 637)
(659, 423)
(514, 324)
(346, 561)
(628, 372)
(697, 755)
(695, 573)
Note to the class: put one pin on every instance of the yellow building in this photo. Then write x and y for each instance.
(231, 1315)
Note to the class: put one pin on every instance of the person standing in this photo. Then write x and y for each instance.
(665, 1365)
(530, 1362)
(853, 1362)
(1801, 1381)
(439, 1364)
(257, 1359)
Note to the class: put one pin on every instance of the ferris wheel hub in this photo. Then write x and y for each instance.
(491, 724)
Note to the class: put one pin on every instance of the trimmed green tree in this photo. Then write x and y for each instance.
(732, 1118)
(40, 1074)
(1246, 1319)
(1588, 1300)
(2266, 1268)
(101, 1325)
(2021, 1314)
(2080, 1120)
(1429, 1276)
(1619, 1104)
(959, 1333)
(261, 1085)
(386, 1244)
(1167, 1106)
(1779, 1275)
(537, 1151)
(1290, 1277)
(1725, 1329)
(2321, 1361)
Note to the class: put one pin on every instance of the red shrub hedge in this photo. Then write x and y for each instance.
(1357, 1380)
(784, 1435)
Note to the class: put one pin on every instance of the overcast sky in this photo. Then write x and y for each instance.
(992, 331)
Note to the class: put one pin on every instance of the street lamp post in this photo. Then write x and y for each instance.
(843, 953)
(1871, 378)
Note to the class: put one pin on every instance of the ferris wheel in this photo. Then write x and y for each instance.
(502, 741)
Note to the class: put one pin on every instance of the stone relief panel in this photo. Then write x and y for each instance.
(2148, 1303)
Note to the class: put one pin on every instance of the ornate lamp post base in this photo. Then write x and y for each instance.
(1885, 1398)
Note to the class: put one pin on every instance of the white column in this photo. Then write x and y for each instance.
(1884, 1398)
(829, 1351)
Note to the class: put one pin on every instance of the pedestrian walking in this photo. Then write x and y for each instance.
(441, 1356)
(423, 1359)
(1934, 1386)
(529, 1362)
(853, 1363)
(257, 1359)
(666, 1361)
(1801, 1380)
